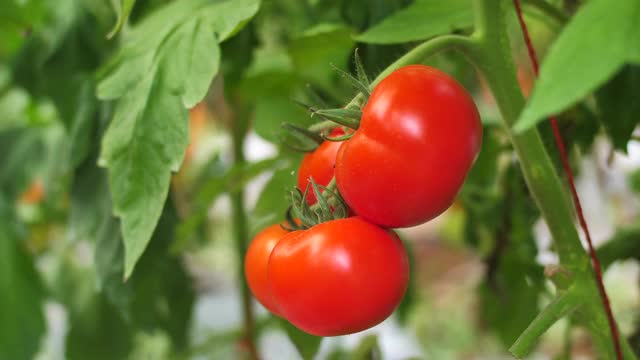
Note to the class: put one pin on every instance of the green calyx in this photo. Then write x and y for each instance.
(330, 204)
(300, 139)
(307, 140)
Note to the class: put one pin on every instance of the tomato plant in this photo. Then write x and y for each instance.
(143, 144)
(419, 135)
(338, 277)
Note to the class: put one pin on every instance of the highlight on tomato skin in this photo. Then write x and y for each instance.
(319, 165)
(419, 136)
(256, 261)
(339, 277)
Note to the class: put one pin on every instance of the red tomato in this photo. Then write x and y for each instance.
(338, 277)
(255, 264)
(320, 165)
(419, 135)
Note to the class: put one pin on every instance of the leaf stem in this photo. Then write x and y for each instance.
(562, 305)
(323, 125)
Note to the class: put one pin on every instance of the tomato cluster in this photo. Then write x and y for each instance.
(418, 137)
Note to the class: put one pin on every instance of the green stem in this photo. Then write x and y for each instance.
(323, 125)
(425, 50)
(493, 57)
(561, 306)
(241, 236)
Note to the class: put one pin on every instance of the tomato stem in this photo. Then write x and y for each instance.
(323, 125)
(576, 199)
(425, 50)
(241, 240)
(492, 56)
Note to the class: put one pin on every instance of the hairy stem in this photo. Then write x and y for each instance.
(576, 199)
(493, 58)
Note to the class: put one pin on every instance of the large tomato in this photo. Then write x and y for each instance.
(319, 165)
(419, 135)
(255, 264)
(338, 277)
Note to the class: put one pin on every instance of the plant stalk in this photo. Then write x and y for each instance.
(241, 236)
(492, 56)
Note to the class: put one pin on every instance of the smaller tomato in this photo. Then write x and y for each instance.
(319, 165)
(256, 261)
(338, 277)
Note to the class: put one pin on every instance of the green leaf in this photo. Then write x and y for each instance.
(144, 143)
(421, 20)
(159, 294)
(622, 246)
(21, 156)
(619, 108)
(90, 204)
(274, 198)
(16, 18)
(21, 306)
(191, 74)
(82, 124)
(591, 48)
(272, 111)
(123, 8)
(319, 47)
(634, 46)
(514, 280)
(162, 292)
(99, 332)
(634, 180)
(204, 61)
(148, 135)
(307, 345)
(412, 294)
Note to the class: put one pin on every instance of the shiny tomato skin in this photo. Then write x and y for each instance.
(319, 164)
(419, 135)
(338, 277)
(256, 261)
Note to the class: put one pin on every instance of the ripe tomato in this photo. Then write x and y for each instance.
(255, 264)
(320, 165)
(419, 135)
(338, 277)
